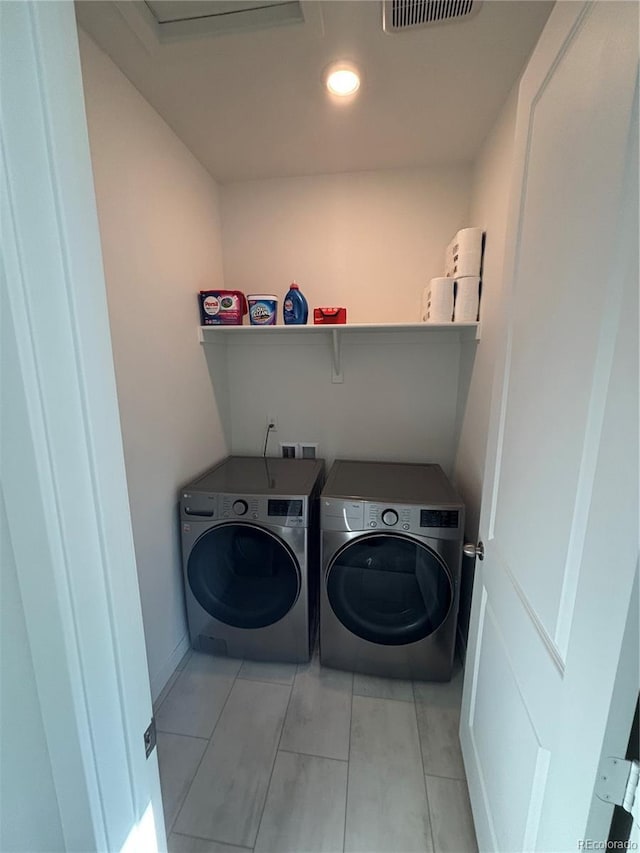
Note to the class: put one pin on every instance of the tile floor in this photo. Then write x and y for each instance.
(279, 758)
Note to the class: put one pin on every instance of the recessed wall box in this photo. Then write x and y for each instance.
(289, 450)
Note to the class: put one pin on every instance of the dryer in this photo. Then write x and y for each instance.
(392, 537)
(250, 557)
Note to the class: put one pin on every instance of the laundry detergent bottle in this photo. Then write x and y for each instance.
(295, 309)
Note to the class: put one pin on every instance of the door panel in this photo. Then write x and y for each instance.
(538, 670)
(572, 174)
(560, 515)
(73, 546)
(389, 589)
(505, 742)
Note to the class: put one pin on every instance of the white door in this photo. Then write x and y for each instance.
(560, 503)
(62, 465)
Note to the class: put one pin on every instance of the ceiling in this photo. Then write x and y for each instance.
(252, 105)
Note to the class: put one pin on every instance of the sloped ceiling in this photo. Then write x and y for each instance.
(252, 105)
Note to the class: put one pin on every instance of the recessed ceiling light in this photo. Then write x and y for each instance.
(342, 79)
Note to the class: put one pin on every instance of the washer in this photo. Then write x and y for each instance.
(250, 557)
(392, 537)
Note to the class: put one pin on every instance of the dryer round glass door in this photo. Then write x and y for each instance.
(243, 575)
(389, 589)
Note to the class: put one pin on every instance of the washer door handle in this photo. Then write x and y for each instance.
(471, 550)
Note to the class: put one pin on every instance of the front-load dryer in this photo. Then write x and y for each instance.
(392, 537)
(250, 557)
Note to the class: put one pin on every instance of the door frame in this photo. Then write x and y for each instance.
(62, 463)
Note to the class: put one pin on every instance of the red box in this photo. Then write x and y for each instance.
(329, 316)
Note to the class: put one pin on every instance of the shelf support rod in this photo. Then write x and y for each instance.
(336, 371)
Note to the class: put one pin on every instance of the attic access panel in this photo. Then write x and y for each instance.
(400, 15)
(183, 18)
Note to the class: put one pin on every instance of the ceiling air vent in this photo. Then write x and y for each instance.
(179, 18)
(401, 15)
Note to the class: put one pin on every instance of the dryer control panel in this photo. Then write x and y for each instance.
(437, 522)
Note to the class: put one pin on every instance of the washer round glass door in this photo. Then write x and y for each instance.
(389, 589)
(243, 575)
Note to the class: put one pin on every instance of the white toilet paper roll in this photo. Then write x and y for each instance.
(466, 299)
(437, 305)
(463, 256)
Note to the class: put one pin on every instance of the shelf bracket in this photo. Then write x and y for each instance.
(336, 361)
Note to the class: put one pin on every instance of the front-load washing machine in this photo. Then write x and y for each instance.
(392, 537)
(250, 554)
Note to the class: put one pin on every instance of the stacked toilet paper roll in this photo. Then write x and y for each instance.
(463, 256)
(437, 301)
(466, 299)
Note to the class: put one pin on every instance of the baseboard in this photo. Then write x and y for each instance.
(169, 667)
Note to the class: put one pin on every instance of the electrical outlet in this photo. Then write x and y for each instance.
(272, 419)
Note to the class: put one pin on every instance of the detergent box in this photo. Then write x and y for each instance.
(329, 316)
(222, 307)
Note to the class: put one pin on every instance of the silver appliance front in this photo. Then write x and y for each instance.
(389, 603)
(246, 589)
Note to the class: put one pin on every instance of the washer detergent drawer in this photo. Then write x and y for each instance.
(198, 506)
(389, 589)
(336, 514)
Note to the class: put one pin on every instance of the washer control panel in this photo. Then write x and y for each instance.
(389, 517)
(279, 512)
(233, 506)
(240, 507)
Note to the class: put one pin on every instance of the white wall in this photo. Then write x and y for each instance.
(491, 186)
(397, 402)
(369, 241)
(29, 816)
(489, 208)
(160, 230)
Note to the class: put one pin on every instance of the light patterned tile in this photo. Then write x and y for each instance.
(439, 736)
(194, 703)
(178, 759)
(227, 796)
(451, 818)
(319, 713)
(281, 673)
(187, 844)
(382, 688)
(441, 694)
(305, 806)
(438, 713)
(387, 803)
